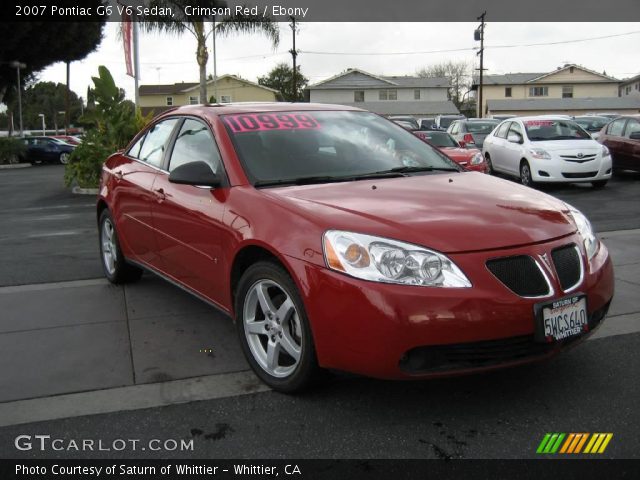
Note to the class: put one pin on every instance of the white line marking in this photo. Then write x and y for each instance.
(133, 397)
(34, 287)
(62, 233)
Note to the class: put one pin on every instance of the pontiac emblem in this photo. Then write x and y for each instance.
(545, 259)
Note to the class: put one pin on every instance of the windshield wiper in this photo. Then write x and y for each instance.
(423, 169)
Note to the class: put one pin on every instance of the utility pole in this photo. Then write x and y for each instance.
(136, 61)
(18, 65)
(294, 54)
(479, 35)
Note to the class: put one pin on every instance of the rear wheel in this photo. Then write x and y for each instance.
(525, 174)
(599, 183)
(115, 266)
(273, 328)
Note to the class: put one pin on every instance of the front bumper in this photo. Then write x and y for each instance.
(558, 169)
(375, 329)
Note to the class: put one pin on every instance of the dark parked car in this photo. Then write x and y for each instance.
(472, 132)
(622, 137)
(592, 124)
(47, 150)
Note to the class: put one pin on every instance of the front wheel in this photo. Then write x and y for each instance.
(525, 175)
(273, 328)
(487, 159)
(64, 158)
(115, 266)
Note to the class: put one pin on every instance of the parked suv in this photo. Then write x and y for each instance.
(622, 138)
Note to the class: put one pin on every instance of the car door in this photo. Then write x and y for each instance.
(496, 147)
(512, 151)
(133, 195)
(188, 218)
(631, 147)
(614, 142)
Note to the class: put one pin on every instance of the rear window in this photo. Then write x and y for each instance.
(439, 139)
(481, 127)
(296, 145)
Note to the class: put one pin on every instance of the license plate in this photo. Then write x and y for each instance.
(562, 319)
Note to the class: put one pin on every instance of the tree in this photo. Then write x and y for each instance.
(280, 78)
(459, 75)
(39, 44)
(50, 99)
(180, 22)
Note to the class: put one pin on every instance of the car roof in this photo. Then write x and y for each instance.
(216, 109)
(538, 117)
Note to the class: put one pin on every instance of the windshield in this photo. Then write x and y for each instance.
(439, 139)
(592, 124)
(544, 130)
(282, 147)
(481, 127)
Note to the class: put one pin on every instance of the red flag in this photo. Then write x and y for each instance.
(127, 38)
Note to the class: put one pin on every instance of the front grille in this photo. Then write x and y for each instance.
(577, 159)
(568, 266)
(520, 274)
(579, 175)
(439, 358)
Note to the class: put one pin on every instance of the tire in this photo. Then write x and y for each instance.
(599, 183)
(64, 158)
(273, 328)
(114, 265)
(487, 159)
(525, 175)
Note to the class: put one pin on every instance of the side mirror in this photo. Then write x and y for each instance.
(195, 173)
(635, 136)
(514, 138)
(462, 144)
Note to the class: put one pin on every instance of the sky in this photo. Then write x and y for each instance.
(379, 48)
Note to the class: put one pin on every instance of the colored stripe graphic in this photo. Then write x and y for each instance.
(573, 443)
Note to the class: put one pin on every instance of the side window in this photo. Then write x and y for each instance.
(515, 128)
(454, 128)
(155, 144)
(195, 144)
(633, 126)
(502, 130)
(616, 127)
(134, 151)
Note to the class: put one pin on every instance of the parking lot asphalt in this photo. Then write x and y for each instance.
(84, 359)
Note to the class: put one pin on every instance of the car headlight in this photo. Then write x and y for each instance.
(539, 153)
(585, 230)
(477, 159)
(605, 151)
(383, 260)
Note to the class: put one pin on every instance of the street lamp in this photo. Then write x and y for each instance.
(41, 115)
(17, 65)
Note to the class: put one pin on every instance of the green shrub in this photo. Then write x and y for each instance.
(11, 149)
(111, 125)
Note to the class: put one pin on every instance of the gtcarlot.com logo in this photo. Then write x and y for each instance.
(573, 443)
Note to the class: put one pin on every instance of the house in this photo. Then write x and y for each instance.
(630, 86)
(401, 95)
(569, 90)
(230, 88)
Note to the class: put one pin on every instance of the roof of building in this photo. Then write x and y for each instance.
(424, 108)
(627, 81)
(184, 87)
(521, 78)
(356, 78)
(554, 104)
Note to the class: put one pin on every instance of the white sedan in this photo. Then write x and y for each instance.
(547, 149)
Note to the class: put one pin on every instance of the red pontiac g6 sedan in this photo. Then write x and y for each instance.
(338, 240)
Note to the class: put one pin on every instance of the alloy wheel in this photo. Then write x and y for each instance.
(109, 250)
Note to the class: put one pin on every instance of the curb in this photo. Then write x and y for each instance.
(15, 165)
(84, 191)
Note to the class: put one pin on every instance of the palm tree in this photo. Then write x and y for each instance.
(180, 22)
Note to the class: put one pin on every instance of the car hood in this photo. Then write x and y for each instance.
(584, 146)
(447, 212)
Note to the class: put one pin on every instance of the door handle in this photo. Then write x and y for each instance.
(159, 194)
